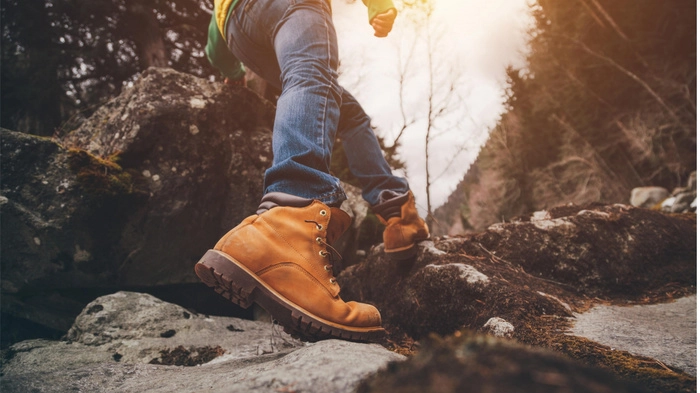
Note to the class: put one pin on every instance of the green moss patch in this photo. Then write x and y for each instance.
(98, 176)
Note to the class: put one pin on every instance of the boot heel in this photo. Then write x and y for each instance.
(221, 273)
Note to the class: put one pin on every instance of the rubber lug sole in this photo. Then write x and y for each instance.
(239, 285)
(402, 255)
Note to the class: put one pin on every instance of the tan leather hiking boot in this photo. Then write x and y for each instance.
(404, 228)
(280, 259)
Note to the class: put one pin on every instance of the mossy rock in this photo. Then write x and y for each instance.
(97, 176)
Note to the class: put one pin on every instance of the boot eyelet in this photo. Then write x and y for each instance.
(319, 240)
(323, 212)
(323, 253)
(328, 268)
(333, 281)
(319, 227)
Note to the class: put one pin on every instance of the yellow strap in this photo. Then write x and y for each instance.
(221, 8)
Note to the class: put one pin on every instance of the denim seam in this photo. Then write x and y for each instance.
(332, 195)
(329, 87)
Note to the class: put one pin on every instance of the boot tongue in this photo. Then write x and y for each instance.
(339, 223)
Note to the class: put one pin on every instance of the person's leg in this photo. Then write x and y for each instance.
(389, 195)
(280, 257)
(301, 57)
(365, 157)
(292, 44)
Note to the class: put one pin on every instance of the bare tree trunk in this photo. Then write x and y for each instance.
(403, 70)
(32, 94)
(429, 129)
(441, 96)
(147, 35)
(424, 19)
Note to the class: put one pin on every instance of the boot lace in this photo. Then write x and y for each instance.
(334, 256)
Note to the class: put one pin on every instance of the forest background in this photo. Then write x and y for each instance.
(603, 100)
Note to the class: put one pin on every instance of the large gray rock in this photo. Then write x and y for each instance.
(130, 342)
(197, 150)
(133, 198)
(54, 234)
(680, 203)
(39, 198)
(116, 322)
(666, 332)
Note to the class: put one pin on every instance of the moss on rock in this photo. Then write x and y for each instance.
(97, 176)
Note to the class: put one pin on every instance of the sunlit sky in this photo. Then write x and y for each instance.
(481, 38)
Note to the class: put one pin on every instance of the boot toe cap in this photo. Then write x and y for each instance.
(365, 315)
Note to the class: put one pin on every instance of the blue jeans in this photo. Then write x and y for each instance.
(292, 45)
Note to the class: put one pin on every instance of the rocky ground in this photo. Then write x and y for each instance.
(562, 300)
(469, 321)
(131, 342)
(529, 279)
(666, 332)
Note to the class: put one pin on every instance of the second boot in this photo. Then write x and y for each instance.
(404, 228)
